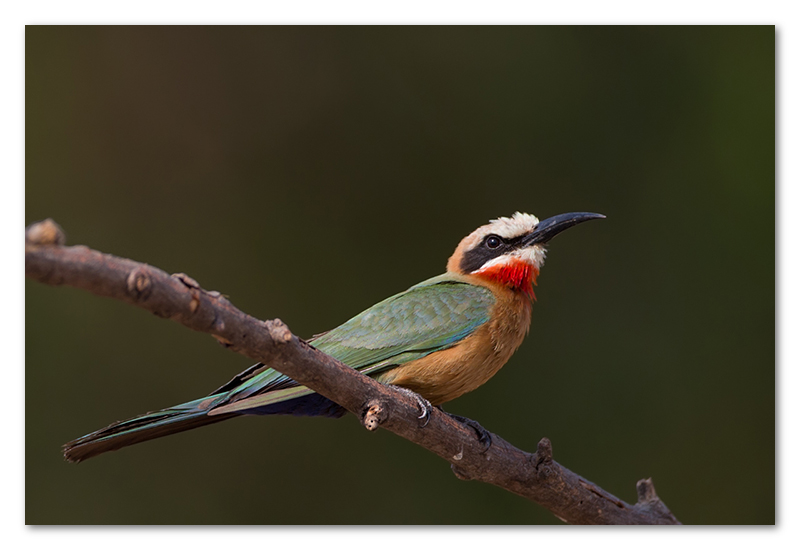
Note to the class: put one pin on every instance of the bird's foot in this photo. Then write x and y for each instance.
(424, 405)
(484, 436)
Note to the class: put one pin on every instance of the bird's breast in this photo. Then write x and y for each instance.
(447, 374)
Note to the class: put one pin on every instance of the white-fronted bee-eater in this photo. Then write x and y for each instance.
(440, 338)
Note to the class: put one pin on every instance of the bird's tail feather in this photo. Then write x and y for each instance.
(142, 428)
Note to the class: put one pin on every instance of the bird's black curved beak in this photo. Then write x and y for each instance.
(549, 228)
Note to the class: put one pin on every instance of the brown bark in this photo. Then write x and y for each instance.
(535, 476)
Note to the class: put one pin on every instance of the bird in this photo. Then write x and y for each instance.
(436, 341)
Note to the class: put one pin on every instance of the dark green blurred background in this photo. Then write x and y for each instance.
(309, 172)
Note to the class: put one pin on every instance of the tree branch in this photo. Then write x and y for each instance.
(178, 297)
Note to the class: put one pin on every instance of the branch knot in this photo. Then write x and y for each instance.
(460, 473)
(186, 280)
(375, 414)
(279, 332)
(543, 457)
(139, 284)
(45, 232)
(646, 491)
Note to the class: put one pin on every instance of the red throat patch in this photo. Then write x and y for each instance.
(519, 275)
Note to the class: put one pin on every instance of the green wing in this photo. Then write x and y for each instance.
(428, 317)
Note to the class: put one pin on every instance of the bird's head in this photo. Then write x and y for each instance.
(510, 251)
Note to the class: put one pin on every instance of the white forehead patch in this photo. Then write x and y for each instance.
(508, 228)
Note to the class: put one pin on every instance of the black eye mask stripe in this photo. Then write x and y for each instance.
(474, 258)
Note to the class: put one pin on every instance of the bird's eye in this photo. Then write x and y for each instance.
(493, 241)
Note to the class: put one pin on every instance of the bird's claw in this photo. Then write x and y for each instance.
(424, 405)
(484, 436)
